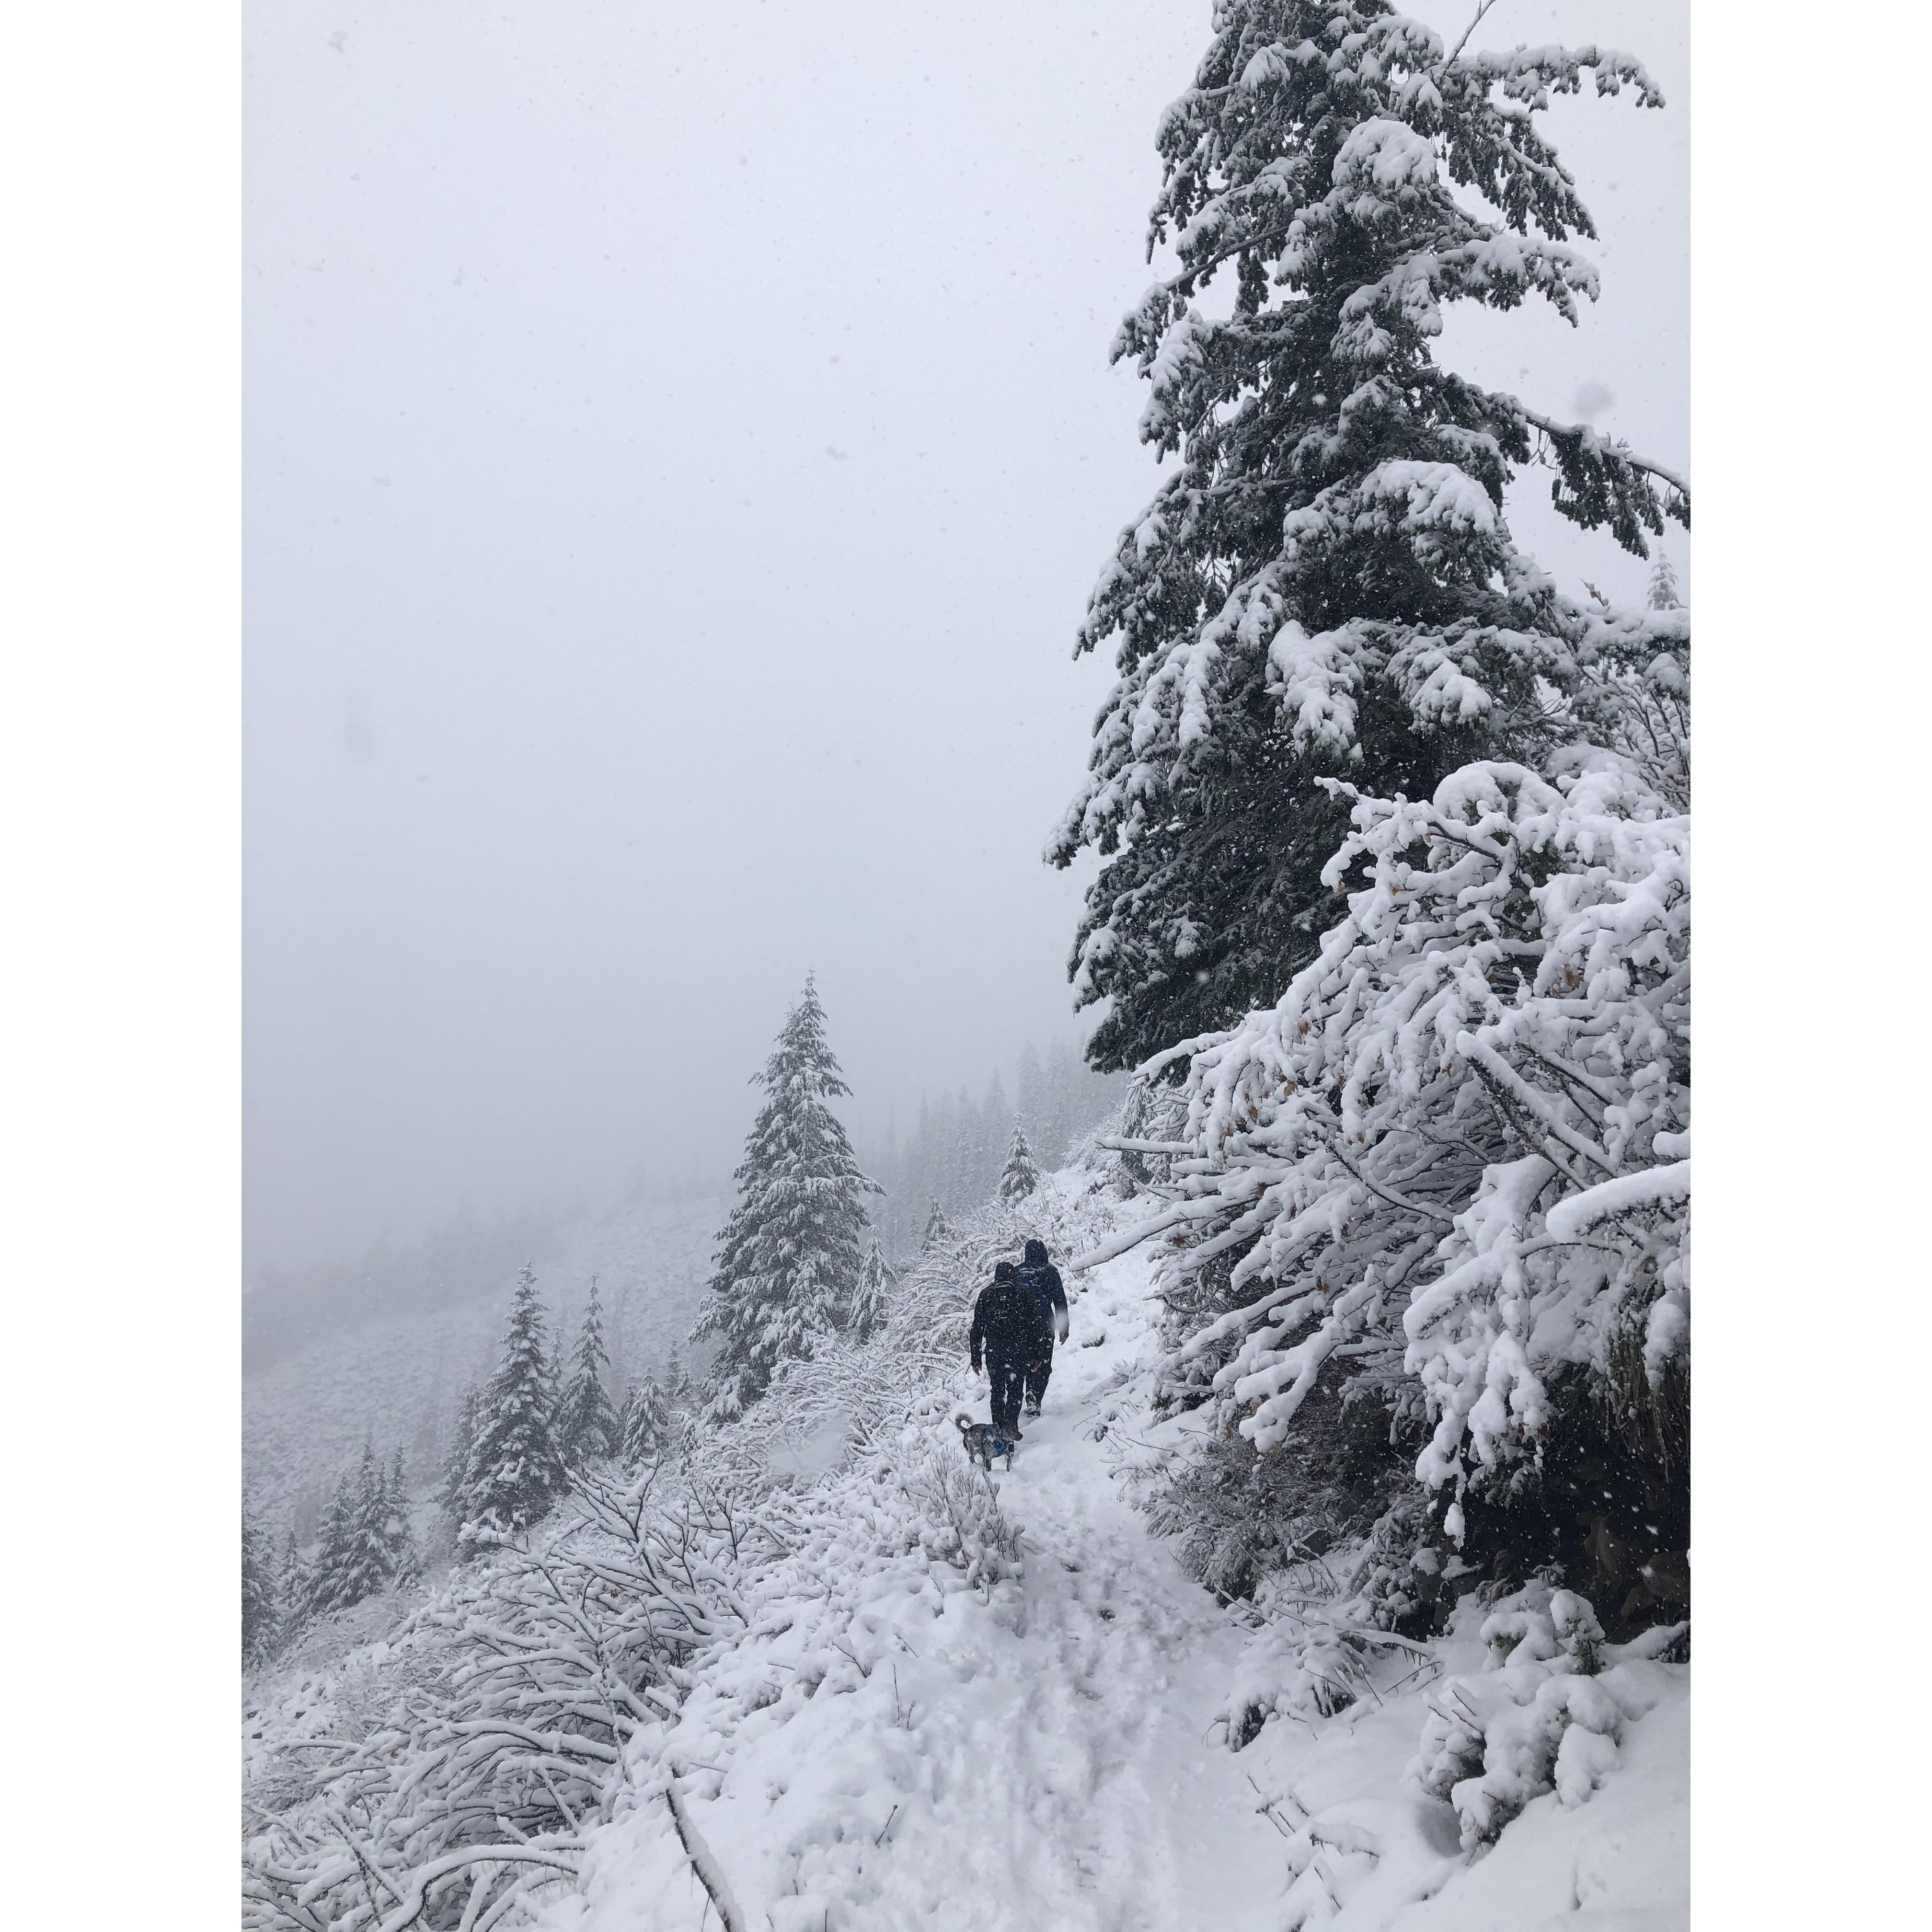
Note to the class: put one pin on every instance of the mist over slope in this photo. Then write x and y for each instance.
(395, 1378)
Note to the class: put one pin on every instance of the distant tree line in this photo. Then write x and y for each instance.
(519, 1439)
(958, 1153)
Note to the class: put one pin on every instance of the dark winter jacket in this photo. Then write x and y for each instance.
(1043, 1278)
(1008, 1321)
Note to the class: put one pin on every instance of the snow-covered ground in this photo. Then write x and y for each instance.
(889, 1745)
(994, 1707)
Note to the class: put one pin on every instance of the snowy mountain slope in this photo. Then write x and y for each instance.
(911, 1696)
(1050, 1749)
(397, 1378)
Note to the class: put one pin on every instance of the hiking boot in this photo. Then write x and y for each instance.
(1031, 1412)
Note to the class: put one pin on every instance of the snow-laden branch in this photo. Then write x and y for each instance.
(1574, 432)
(516, 1693)
(1649, 1187)
(555, 1854)
(1486, 1064)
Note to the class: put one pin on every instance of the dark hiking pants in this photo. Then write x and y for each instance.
(1007, 1375)
(1036, 1379)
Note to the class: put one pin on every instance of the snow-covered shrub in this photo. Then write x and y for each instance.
(1329, 1629)
(468, 1753)
(1239, 1517)
(1293, 1667)
(1124, 1153)
(962, 1522)
(1547, 1715)
(1464, 1129)
(1453, 1115)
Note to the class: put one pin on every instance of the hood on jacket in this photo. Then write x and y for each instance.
(1036, 1254)
(1006, 1271)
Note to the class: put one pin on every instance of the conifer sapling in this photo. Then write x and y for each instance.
(873, 1300)
(1020, 1177)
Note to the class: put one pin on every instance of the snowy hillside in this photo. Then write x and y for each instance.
(907, 1694)
(396, 1379)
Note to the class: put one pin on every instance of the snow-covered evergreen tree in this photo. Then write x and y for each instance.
(1324, 585)
(336, 1551)
(1453, 1159)
(645, 1426)
(872, 1301)
(295, 1585)
(936, 1229)
(1019, 1178)
(587, 1427)
(515, 1471)
(398, 1536)
(1663, 584)
(789, 1258)
(261, 1607)
(555, 1375)
(674, 1385)
(361, 1566)
(452, 1496)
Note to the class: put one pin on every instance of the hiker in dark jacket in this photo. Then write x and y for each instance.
(1040, 1275)
(1011, 1333)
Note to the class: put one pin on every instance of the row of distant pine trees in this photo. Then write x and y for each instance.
(366, 1543)
(520, 1436)
(518, 1439)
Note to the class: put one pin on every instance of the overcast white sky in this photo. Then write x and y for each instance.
(680, 442)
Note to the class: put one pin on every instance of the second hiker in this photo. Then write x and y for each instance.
(1012, 1334)
(1040, 1275)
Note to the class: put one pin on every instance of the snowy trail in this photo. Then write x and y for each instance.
(1040, 1759)
(1085, 1784)
(892, 1747)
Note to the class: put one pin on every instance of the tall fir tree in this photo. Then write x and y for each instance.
(1662, 593)
(936, 1228)
(295, 1587)
(515, 1472)
(362, 1565)
(335, 1554)
(788, 1260)
(452, 1497)
(587, 1427)
(675, 1385)
(873, 1301)
(332, 1535)
(1324, 587)
(555, 1375)
(398, 1534)
(1020, 1177)
(261, 1607)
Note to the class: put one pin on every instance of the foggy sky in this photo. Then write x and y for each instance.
(679, 441)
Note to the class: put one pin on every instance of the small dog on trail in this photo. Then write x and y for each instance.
(982, 1442)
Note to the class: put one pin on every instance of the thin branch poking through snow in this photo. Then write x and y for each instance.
(1476, 22)
(704, 1860)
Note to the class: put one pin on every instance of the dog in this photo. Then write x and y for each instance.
(982, 1442)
